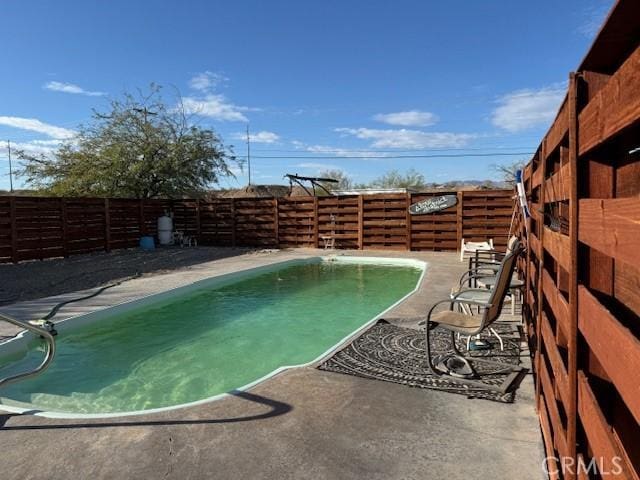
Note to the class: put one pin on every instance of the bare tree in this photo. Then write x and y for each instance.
(344, 181)
(394, 179)
(508, 171)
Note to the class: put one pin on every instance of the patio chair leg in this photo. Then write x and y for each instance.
(428, 348)
(498, 337)
(454, 345)
(513, 303)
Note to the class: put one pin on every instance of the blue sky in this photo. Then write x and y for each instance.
(321, 81)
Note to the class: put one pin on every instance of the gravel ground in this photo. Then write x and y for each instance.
(37, 279)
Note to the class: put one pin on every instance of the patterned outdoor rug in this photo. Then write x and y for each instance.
(396, 354)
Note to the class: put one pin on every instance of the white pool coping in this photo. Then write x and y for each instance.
(20, 341)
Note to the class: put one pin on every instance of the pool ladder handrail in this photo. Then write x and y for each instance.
(51, 349)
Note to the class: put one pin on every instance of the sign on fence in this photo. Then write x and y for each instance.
(433, 204)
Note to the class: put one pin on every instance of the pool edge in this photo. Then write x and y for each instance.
(225, 277)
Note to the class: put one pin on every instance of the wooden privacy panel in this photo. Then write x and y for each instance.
(582, 268)
(338, 218)
(255, 222)
(436, 231)
(297, 222)
(38, 227)
(217, 222)
(125, 222)
(384, 222)
(487, 214)
(186, 216)
(85, 221)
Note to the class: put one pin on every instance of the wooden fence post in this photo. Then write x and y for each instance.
(107, 226)
(408, 220)
(459, 219)
(276, 222)
(233, 222)
(316, 238)
(360, 222)
(142, 227)
(198, 228)
(572, 363)
(14, 229)
(63, 214)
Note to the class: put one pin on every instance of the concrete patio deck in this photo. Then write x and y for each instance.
(304, 423)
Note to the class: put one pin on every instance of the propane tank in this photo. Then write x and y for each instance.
(165, 230)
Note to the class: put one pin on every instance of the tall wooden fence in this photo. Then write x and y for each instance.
(582, 266)
(39, 227)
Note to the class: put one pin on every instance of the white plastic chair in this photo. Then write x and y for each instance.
(473, 247)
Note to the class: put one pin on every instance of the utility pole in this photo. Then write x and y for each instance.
(248, 154)
(10, 167)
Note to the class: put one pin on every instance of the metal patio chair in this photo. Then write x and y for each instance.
(483, 271)
(466, 323)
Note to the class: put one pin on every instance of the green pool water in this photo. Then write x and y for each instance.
(208, 341)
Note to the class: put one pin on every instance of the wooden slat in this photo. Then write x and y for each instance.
(559, 128)
(558, 247)
(556, 301)
(598, 432)
(612, 226)
(536, 179)
(614, 345)
(557, 187)
(557, 365)
(614, 108)
(551, 457)
(534, 244)
(559, 435)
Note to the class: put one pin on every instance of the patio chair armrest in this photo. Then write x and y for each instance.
(475, 263)
(480, 253)
(454, 296)
(433, 307)
(452, 301)
(471, 302)
(471, 275)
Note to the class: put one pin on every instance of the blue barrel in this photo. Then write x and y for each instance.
(147, 243)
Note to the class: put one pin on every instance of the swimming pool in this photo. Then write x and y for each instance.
(194, 343)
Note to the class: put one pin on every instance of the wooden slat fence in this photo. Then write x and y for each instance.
(39, 227)
(582, 267)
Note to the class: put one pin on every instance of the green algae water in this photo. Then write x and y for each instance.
(207, 341)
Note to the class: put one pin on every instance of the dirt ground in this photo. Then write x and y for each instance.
(37, 279)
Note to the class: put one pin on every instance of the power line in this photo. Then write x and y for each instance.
(441, 155)
(383, 150)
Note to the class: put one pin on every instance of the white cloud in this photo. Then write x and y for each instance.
(319, 167)
(592, 19)
(71, 88)
(35, 125)
(404, 138)
(46, 143)
(528, 108)
(258, 137)
(206, 81)
(335, 151)
(215, 106)
(411, 118)
(36, 147)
